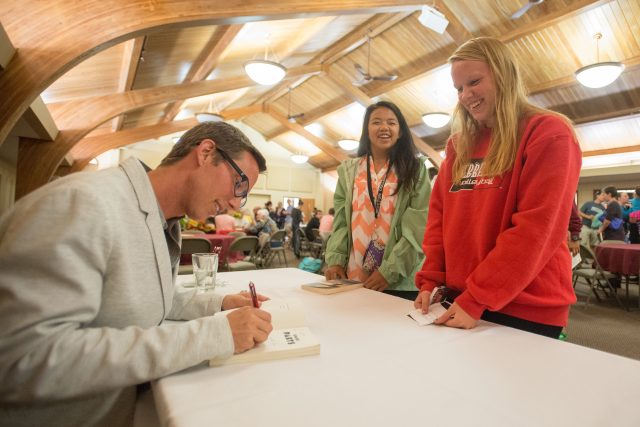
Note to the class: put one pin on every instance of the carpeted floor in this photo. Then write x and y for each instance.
(605, 325)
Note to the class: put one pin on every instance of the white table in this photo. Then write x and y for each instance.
(378, 368)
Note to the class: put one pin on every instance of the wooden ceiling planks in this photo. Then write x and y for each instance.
(558, 32)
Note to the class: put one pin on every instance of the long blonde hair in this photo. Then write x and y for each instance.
(511, 106)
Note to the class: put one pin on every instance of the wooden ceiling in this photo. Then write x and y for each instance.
(153, 79)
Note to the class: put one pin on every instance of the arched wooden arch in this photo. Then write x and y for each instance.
(77, 118)
(52, 37)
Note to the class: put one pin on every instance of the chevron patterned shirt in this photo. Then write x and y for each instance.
(364, 225)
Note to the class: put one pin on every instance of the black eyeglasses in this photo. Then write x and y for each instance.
(241, 187)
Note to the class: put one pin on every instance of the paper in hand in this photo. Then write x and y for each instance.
(435, 310)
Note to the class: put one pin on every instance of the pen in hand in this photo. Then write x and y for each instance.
(254, 296)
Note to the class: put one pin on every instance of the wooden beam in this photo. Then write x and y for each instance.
(238, 113)
(54, 36)
(6, 49)
(575, 8)
(374, 26)
(128, 69)
(617, 150)
(40, 120)
(607, 116)
(91, 147)
(206, 62)
(318, 142)
(441, 59)
(45, 158)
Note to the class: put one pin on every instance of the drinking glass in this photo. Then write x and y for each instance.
(205, 267)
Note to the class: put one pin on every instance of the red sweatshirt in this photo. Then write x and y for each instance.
(502, 240)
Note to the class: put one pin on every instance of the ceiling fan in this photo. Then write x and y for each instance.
(365, 76)
(292, 117)
(524, 9)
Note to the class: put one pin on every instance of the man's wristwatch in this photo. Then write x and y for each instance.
(575, 238)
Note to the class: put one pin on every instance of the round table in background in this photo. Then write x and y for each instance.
(620, 258)
(222, 241)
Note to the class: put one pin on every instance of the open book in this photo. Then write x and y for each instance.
(328, 287)
(289, 338)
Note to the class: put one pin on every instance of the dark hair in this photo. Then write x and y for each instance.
(332, 211)
(638, 191)
(227, 138)
(611, 190)
(403, 155)
(268, 203)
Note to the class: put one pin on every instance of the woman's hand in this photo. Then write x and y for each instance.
(422, 301)
(456, 317)
(376, 282)
(335, 272)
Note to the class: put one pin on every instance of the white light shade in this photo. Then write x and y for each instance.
(436, 120)
(208, 117)
(264, 72)
(348, 144)
(299, 158)
(600, 74)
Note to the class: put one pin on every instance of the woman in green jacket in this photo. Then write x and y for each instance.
(381, 205)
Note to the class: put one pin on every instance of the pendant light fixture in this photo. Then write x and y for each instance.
(211, 115)
(348, 144)
(436, 120)
(600, 74)
(299, 158)
(264, 71)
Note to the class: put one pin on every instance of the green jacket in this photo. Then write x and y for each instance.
(403, 255)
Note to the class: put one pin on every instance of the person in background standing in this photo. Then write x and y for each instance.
(612, 228)
(296, 219)
(381, 207)
(314, 222)
(507, 261)
(590, 212)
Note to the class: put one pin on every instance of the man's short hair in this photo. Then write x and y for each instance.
(227, 138)
(611, 190)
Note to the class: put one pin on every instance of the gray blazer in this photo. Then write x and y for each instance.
(85, 285)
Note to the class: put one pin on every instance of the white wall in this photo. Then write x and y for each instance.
(282, 179)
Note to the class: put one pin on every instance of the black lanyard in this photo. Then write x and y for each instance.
(378, 200)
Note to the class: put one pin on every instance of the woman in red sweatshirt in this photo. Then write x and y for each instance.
(499, 211)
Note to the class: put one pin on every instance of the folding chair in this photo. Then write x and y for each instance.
(244, 244)
(277, 250)
(595, 276)
(192, 245)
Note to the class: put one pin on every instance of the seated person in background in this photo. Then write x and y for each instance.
(88, 268)
(280, 215)
(326, 224)
(612, 216)
(224, 222)
(247, 219)
(264, 224)
(314, 222)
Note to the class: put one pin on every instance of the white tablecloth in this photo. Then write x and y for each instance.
(378, 368)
